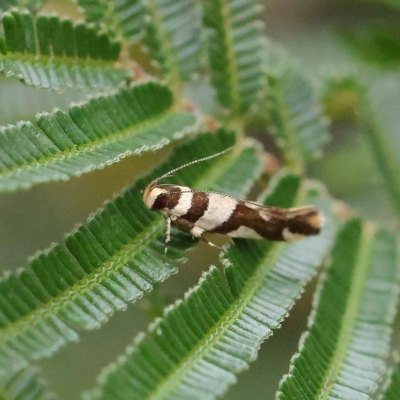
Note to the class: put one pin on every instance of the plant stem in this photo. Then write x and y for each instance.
(380, 150)
(238, 125)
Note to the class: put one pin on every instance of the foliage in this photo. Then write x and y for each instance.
(170, 30)
(235, 45)
(295, 116)
(244, 302)
(172, 37)
(108, 263)
(197, 347)
(26, 384)
(51, 53)
(125, 18)
(90, 136)
(356, 304)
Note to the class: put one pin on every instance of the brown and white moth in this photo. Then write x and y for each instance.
(200, 212)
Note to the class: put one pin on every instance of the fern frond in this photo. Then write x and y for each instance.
(235, 44)
(111, 261)
(89, 136)
(25, 384)
(294, 114)
(47, 52)
(355, 309)
(125, 17)
(202, 342)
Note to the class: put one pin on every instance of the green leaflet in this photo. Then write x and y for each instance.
(89, 136)
(126, 17)
(24, 385)
(295, 116)
(344, 351)
(51, 53)
(111, 261)
(170, 29)
(235, 44)
(173, 37)
(203, 341)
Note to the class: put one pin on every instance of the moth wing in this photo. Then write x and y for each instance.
(287, 213)
(305, 219)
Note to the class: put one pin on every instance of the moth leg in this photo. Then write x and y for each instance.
(199, 233)
(167, 232)
(196, 231)
(211, 244)
(231, 241)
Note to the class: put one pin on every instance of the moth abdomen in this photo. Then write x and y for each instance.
(302, 222)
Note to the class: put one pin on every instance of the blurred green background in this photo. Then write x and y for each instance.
(329, 38)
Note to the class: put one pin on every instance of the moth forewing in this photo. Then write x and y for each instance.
(202, 212)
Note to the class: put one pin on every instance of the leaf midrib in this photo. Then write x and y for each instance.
(292, 138)
(49, 60)
(109, 19)
(133, 130)
(227, 320)
(167, 48)
(359, 279)
(232, 67)
(91, 280)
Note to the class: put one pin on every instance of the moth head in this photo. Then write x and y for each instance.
(154, 197)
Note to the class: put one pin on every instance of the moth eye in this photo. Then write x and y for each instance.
(160, 202)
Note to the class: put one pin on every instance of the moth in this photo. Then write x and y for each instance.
(202, 212)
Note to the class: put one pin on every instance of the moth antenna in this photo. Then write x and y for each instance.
(191, 163)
